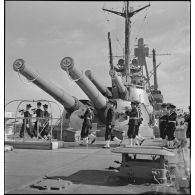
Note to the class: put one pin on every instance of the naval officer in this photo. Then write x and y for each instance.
(45, 130)
(26, 122)
(39, 116)
(188, 121)
(163, 119)
(110, 123)
(171, 125)
(87, 126)
(133, 123)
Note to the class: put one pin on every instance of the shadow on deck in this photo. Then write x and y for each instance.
(94, 177)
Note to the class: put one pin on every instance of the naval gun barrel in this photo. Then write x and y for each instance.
(69, 102)
(118, 81)
(103, 89)
(99, 101)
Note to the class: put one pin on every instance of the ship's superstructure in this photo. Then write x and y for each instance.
(128, 80)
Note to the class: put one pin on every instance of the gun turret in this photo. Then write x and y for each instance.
(103, 89)
(84, 83)
(69, 102)
(119, 84)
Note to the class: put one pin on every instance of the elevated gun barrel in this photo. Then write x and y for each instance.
(103, 89)
(58, 94)
(121, 88)
(99, 101)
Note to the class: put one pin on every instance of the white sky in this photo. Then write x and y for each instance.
(42, 33)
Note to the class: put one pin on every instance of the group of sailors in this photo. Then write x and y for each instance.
(135, 121)
(41, 126)
(168, 123)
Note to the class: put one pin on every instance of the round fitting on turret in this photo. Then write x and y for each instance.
(88, 74)
(67, 63)
(18, 65)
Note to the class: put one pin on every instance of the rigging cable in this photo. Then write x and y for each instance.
(144, 20)
(141, 26)
(109, 23)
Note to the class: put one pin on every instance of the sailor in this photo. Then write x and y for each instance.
(26, 125)
(87, 126)
(163, 119)
(110, 123)
(139, 139)
(188, 121)
(171, 125)
(121, 66)
(133, 123)
(45, 130)
(39, 116)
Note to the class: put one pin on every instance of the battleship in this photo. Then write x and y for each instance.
(61, 165)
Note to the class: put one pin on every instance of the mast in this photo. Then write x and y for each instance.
(114, 89)
(110, 51)
(147, 73)
(154, 67)
(127, 38)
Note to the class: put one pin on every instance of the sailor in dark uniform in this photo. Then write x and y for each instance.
(110, 123)
(87, 126)
(188, 121)
(163, 119)
(38, 123)
(171, 125)
(26, 125)
(121, 66)
(45, 130)
(133, 123)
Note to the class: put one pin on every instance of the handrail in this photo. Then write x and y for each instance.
(40, 100)
(32, 117)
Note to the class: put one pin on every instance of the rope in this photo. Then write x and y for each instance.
(141, 26)
(28, 80)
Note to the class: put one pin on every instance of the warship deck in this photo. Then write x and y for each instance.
(73, 170)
